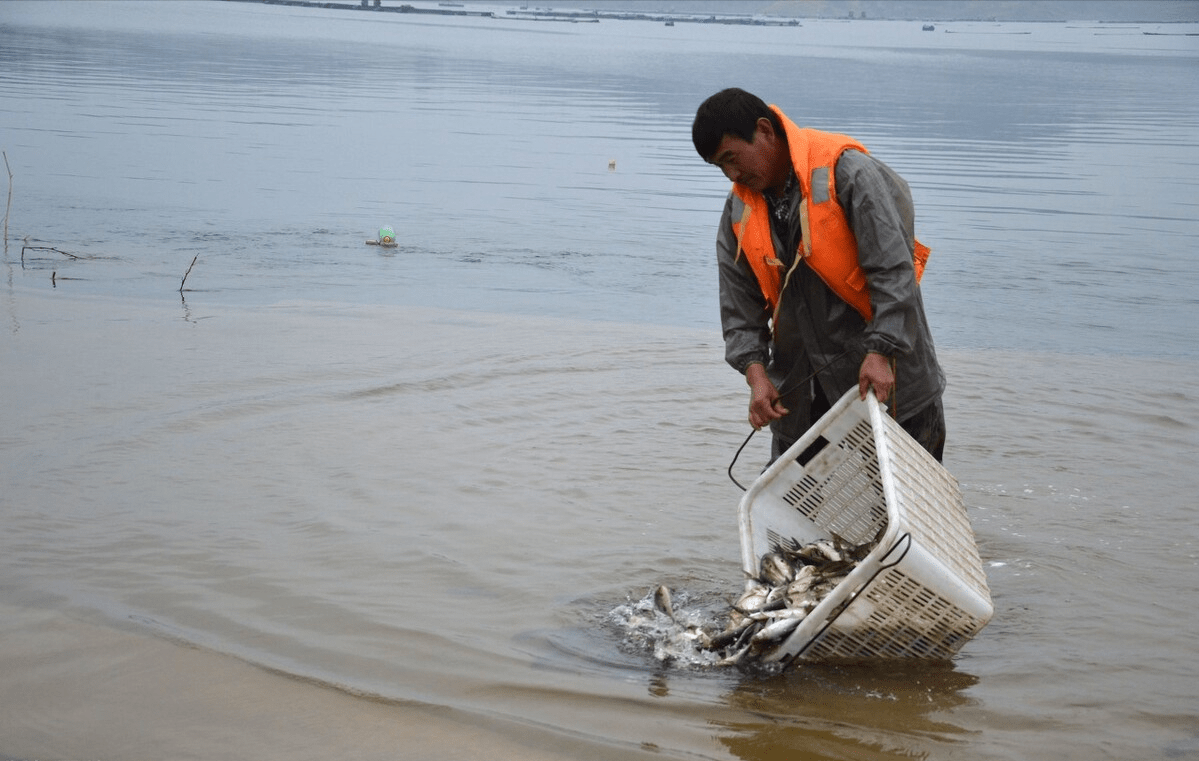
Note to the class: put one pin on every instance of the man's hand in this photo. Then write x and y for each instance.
(764, 402)
(876, 373)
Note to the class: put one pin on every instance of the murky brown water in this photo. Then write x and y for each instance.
(442, 509)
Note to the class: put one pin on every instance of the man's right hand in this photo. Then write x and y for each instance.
(764, 402)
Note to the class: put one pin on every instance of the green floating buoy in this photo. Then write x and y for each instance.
(386, 238)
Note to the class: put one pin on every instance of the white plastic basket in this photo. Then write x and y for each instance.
(921, 592)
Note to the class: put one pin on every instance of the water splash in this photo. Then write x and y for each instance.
(681, 640)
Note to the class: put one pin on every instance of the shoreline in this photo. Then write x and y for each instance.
(75, 688)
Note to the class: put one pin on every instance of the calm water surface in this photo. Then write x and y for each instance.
(442, 476)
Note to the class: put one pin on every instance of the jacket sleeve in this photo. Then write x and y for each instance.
(878, 205)
(744, 315)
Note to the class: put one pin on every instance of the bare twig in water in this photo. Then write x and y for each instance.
(46, 248)
(185, 274)
(9, 206)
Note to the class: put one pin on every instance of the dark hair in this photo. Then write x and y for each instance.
(729, 112)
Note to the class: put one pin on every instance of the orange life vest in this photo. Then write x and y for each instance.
(828, 245)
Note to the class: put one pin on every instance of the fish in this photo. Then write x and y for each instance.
(777, 629)
(728, 637)
(799, 587)
(829, 550)
(774, 570)
(734, 658)
(792, 580)
(754, 598)
(663, 603)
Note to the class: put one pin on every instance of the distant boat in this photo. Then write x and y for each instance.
(669, 23)
(929, 28)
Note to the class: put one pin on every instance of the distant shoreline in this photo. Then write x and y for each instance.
(592, 14)
(541, 14)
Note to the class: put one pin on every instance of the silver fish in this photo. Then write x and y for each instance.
(729, 636)
(662, 601)
(777, 597)
(828, 550)
(792, 580)
(797, 590)
(774, 615)
(777, 629)
(735, 658)
(753, 599)
(774, 569)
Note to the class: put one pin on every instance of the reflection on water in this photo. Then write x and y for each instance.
(817, 711)
(866, 712)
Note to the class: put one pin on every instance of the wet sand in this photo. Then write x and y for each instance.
(75, 689)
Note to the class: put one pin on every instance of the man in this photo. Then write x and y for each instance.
(819, 270)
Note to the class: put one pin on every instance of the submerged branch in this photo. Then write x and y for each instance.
(185, 274)
(48, 248)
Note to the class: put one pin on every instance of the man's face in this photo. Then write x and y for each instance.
(755, 164)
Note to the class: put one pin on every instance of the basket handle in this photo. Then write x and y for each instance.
(906, 536)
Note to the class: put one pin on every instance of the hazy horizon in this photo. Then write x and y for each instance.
(931, 10)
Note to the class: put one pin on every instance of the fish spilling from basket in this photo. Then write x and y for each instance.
(791, 582)
(862, 551)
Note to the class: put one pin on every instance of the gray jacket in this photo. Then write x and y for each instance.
(815, 326)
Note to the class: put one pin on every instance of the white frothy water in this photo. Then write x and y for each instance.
(645, 627)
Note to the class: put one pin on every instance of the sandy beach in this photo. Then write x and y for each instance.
(76, 689)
